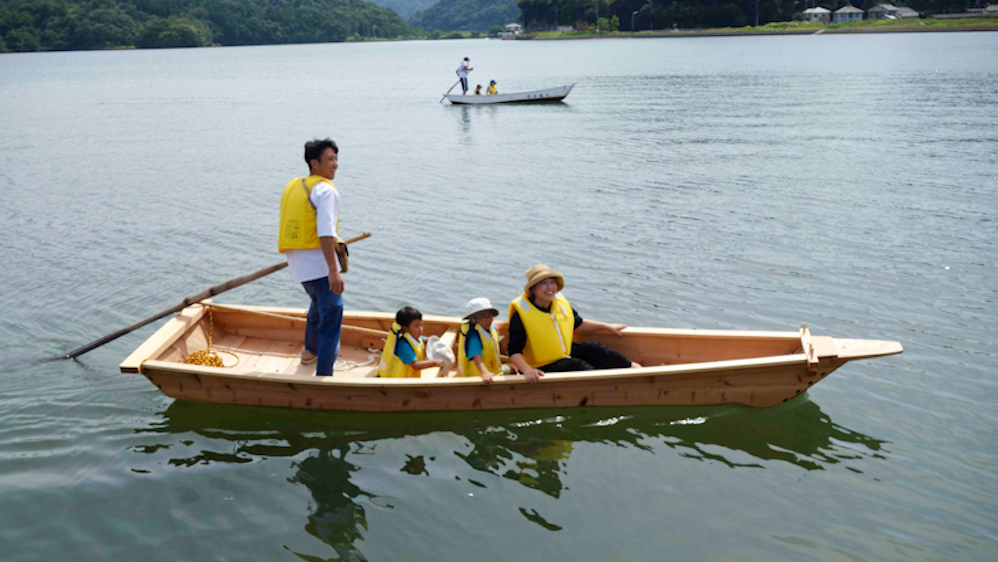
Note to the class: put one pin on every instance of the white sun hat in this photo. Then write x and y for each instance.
(476, 306)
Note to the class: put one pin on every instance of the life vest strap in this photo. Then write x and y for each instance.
(308, 195)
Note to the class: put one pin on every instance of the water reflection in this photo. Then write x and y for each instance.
(496, 117)
(338, 517)
(530, 447)
(797, 432)
(465, 112)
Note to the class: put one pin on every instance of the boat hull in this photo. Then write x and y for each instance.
(683, 367)
(548, 95)
(761, 386)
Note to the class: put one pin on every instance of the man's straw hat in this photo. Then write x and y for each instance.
(477, 306)
(539, 273)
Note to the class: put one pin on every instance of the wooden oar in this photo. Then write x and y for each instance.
(197, 297)
(449, 89)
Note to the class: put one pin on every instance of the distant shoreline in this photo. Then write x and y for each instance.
(915, 27)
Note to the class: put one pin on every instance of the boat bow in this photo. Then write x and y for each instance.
(849, 349)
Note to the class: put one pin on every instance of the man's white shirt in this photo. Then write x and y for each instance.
(462, 71)
(307, 265)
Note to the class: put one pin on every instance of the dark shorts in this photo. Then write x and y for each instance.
(587, 356)
(464, 83)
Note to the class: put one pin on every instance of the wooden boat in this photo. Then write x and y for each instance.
(261, 346)
(550, 94)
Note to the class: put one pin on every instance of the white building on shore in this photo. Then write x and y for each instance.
(818, 14)
(512, 29)
(847, 14)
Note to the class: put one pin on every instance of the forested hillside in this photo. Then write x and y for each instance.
(34, 25)
(406, 8)
(466, 15)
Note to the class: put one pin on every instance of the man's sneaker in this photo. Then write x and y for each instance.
(307, 357)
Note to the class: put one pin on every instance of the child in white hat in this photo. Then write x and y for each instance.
(478, 344)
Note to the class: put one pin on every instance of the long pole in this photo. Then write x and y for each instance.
(196, 297)
(449, 89)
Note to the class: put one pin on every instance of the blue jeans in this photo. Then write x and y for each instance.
(322, 330)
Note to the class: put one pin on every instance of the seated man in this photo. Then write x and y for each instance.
(492, 88)
(541, 325)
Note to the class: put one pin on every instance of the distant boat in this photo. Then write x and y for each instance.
(550, 94)
(260, 351)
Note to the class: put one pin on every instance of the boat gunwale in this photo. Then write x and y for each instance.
(548, 379)
(174, 329)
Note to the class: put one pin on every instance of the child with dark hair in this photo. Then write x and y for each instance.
(405, 347)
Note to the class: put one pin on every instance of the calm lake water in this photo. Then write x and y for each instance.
(850, 182)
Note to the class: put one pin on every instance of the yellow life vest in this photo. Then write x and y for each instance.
(490, 351)
(391, 365)
(492, 90)
(549, 334)
(298, 229)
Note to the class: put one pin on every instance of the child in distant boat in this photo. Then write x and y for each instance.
(405, 347)
(478, 344)
(492, 88)
(478, 90)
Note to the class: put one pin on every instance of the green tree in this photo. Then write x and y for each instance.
(102, 28)
(162, 33)
(101, 24)
(23, 39)
(466, 15)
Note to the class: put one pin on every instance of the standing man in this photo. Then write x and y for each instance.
(310, 212)
(462, 73)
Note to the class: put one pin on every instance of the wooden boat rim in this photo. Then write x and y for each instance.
(684, 372)
(584, 376)
(813, 348)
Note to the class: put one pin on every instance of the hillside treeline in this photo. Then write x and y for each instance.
(466, 15)
(407, 8)
(42, 25)
(691, 14)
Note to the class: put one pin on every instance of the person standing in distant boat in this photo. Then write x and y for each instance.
(462, 73)
(310, 213)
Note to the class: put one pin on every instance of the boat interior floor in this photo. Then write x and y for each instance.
(259, 341)
(244, 355)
